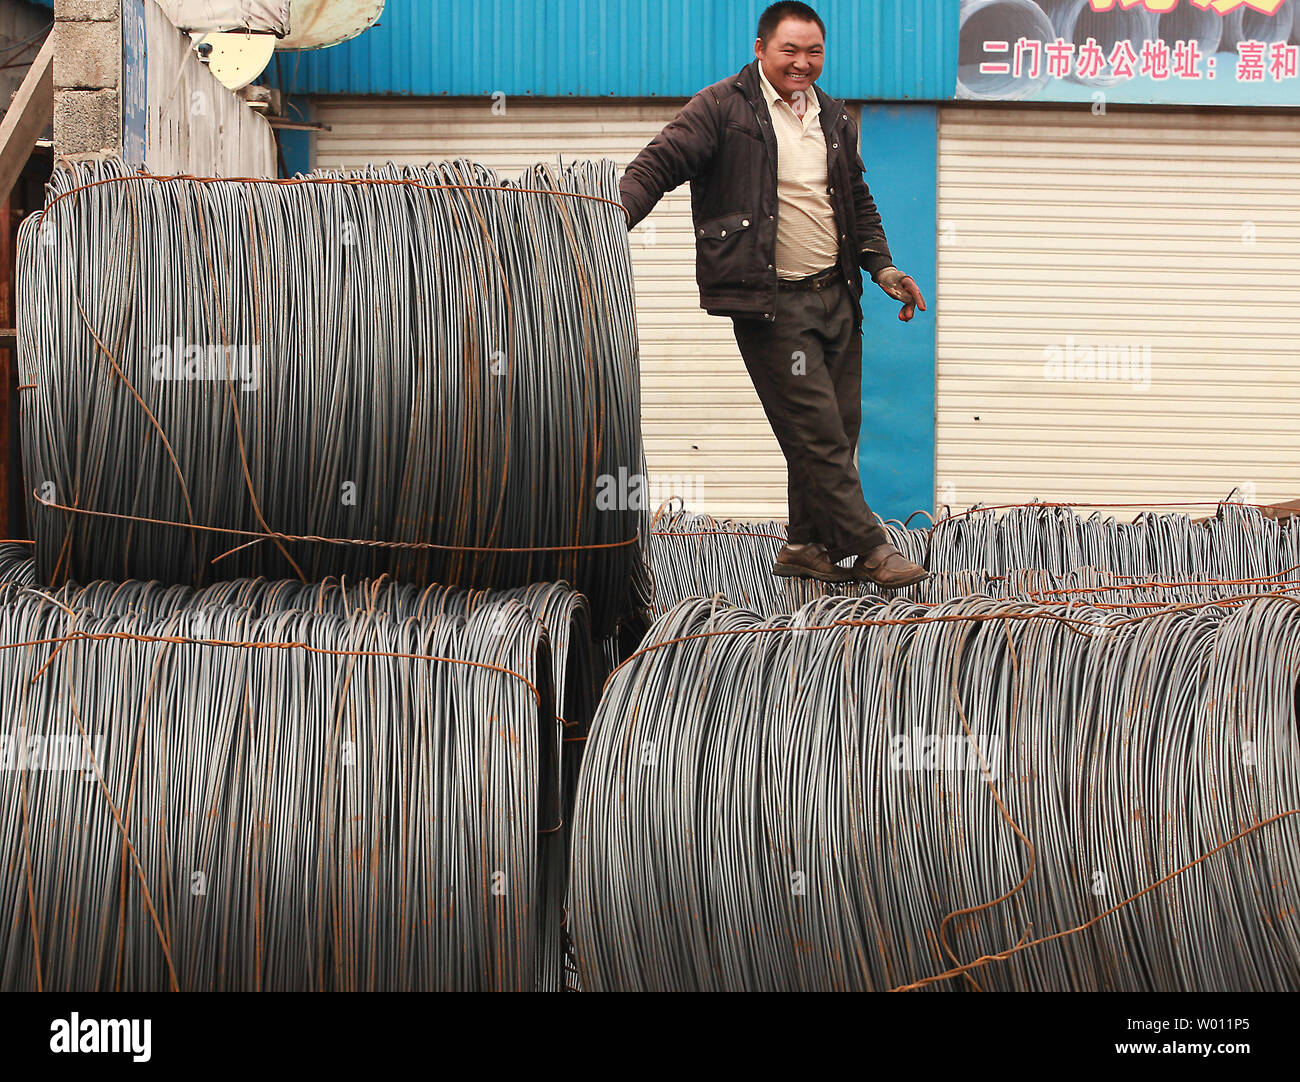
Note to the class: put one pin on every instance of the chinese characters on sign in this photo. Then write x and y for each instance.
(1257, 61)
(1163, 7)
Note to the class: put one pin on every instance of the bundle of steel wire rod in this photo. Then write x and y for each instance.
(270, 786)
(1086, 585)
(877, 795)
(1237, 542)
(426, 372)
(576, 669)
(16, 563)
(697, 555)
(557, 606)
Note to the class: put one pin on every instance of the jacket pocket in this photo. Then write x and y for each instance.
(736, 127)
(729, 225)
(726, 253)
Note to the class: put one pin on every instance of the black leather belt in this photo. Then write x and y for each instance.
(821, 280)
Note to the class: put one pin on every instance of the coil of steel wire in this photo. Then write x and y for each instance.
(576, 670)
(16, 563)
(274, 786)
(874, 795)
(1010, 554)
(1237, 542)
(426, 372)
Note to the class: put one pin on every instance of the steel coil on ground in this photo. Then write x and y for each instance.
(425, 372)
(1004, 553)
(285, 787)
(877, 795)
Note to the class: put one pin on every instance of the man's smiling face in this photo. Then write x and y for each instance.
(793, 57)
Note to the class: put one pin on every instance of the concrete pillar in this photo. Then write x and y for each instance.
(87, 78)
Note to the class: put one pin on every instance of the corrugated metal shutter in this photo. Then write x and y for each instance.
(1138, 234)
(702, 419)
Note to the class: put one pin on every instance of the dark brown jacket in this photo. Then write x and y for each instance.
(723, 143)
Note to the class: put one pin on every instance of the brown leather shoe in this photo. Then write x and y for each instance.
(886, 566)
(809, 562)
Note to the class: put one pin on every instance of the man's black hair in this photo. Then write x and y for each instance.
(786, 9)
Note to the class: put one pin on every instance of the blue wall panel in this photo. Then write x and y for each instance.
(297, 148)
(875, 49)
(896, 449)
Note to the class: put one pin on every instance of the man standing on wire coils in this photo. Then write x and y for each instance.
(784, 227)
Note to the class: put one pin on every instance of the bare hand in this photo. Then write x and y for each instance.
(902, 287)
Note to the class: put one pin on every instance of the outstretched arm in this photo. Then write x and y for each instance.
(681, 152)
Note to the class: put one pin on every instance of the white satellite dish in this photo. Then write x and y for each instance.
(316, 24)
(237, 57)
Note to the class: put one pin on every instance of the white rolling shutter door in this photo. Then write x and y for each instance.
(702, 419)
(1163, 234)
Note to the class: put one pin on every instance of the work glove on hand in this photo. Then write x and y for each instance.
(903, 288)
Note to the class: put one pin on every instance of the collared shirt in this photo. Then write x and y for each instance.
(806, 241)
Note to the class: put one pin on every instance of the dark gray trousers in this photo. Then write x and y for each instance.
(806, 365)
